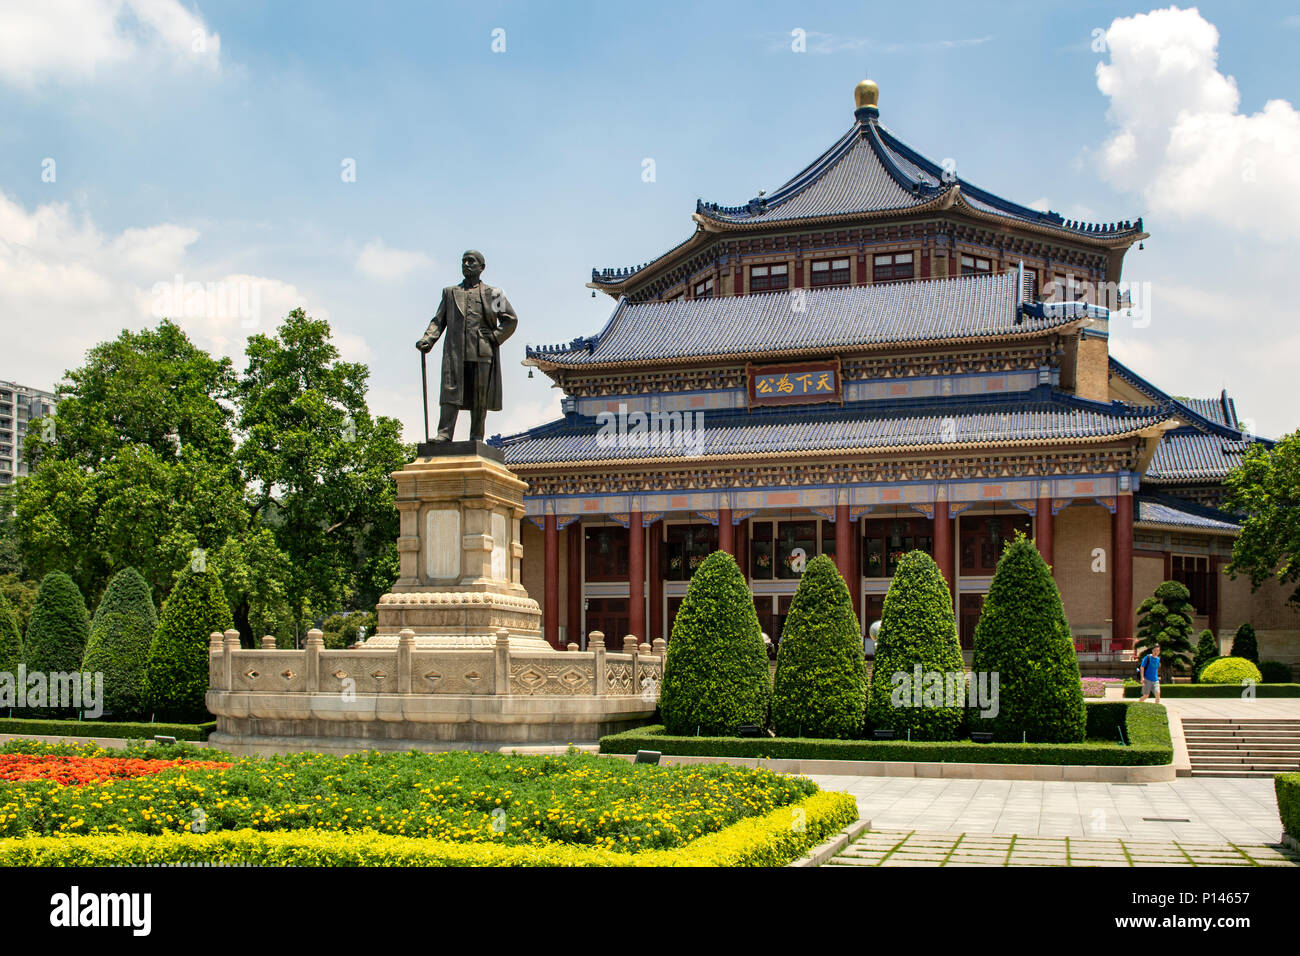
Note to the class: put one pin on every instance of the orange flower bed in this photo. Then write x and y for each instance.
(74, 771)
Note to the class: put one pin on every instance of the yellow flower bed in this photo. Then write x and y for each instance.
(777, 838)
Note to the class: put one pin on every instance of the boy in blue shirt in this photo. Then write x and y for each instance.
(1149, 668)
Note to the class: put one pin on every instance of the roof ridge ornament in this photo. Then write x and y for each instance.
(866, 101)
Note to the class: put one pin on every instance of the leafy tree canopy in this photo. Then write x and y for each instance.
(1265, 489)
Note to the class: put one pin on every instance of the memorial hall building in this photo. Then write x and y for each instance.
(875, 357)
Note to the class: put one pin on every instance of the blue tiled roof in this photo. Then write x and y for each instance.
(1209, 446)
(868, 169)
(831, 319)
(1186, 454)
(1177, 513)
(813, 430)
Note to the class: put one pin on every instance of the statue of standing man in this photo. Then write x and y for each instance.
(476, 319)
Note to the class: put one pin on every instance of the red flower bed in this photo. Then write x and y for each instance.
(74, 771)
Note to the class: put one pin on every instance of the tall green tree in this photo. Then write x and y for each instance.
(1265, 490)
(820, 689)
(319, 467)
(1165, 618)
(1207, 649)
(121, 634)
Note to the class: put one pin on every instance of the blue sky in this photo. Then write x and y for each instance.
(223, 163)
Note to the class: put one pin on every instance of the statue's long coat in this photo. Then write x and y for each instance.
(450, 318)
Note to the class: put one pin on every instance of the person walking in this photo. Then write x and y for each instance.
(1149, 669)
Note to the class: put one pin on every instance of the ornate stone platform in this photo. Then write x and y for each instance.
(458, 659)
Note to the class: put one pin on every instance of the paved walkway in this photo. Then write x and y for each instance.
(1261, 708)
(1192, 809)
(918, 848)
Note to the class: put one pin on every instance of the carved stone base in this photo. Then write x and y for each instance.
(461, 551)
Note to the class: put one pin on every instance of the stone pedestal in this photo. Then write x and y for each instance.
(461, 554)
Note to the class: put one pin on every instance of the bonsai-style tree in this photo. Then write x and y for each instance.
(120, 636)
(1165, 618)
(821, 676)
(1024, 638)
(178, 656)
(716, 674)
(1244, 644)
(918, 630)
(1207, 649)
(11, 640)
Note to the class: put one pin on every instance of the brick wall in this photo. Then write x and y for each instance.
(1086, 594)
(1277, 624)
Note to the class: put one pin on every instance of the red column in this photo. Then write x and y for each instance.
(943, 543)
(726, 532)
(636, 577)
(574, 545)
(1043, 521)
(844, 545)
(551, 591)
(742, 548)
(656, 586)
(738, 284)
(1121, 582)
(855, 563)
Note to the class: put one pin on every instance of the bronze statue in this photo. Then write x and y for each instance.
(477, 318)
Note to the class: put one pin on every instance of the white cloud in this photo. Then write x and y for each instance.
(66, 286)
(380, 262)
(1179, 138)
(74, 40)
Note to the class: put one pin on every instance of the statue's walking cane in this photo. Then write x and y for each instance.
(424, 380)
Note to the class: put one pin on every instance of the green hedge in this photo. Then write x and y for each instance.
(820, 686)
(104, 728)
(1276, 672)
(1146, 728)
(1134, 689)
(775, 839)
(1287, 787)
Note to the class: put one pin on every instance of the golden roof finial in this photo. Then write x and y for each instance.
(866, 93)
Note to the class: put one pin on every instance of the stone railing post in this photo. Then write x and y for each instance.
(661, 649)
(312, 647)
(405, 648)
(215, 644)
(231, 642)
(630, 647)
(501, 663)
(268, 642)
(596, 644)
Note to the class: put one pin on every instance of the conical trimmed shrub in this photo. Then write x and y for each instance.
(716, 675)
(820, 688)
(57, 632)
(1207, 649)
(1024, 638)
(11, 640)
(1245, 645)
(120, 636)
(918, 630)
(178, 656)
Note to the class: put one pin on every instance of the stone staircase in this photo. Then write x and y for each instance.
(1237, 747)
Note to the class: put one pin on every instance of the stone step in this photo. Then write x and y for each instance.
(1192, 734)
(1201, 724)
(1261, 766)
(1198, 772)
(1206, 753)
(1290, 761)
